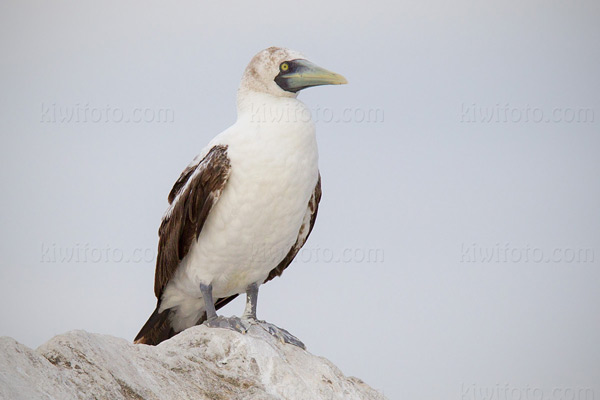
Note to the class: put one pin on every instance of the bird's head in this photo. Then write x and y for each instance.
(283, 73)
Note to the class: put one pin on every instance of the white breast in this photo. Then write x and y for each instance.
(274, 170)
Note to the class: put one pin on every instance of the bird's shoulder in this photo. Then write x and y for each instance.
(219, 144)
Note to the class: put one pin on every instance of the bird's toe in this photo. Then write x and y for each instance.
(281, 334)
(232, 323)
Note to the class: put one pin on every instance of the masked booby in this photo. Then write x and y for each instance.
(243, 208)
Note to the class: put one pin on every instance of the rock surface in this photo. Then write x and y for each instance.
(199, 363)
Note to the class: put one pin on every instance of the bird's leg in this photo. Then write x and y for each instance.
(250, 316)
(251, 300)
(209, 304)
(214, 321)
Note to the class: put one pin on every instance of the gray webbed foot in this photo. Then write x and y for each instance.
(281, 334)
(248, 319)
(232, 323)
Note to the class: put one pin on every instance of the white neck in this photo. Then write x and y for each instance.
(259, 107)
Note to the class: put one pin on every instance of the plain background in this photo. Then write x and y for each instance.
(430, 188)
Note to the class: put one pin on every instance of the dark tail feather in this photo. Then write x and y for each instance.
(156, 329)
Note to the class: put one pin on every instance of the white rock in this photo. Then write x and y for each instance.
(199, 363)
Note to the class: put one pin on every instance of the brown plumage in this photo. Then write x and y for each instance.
(180, 227)
(184, 220)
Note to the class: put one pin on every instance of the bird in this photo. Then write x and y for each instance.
(242, 209)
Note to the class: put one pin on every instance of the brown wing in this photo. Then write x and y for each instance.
(192, 197)
(183, 178)
(305, 230)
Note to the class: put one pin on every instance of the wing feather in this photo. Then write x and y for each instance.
(192, 197)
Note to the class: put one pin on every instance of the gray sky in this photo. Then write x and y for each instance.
(457, 245)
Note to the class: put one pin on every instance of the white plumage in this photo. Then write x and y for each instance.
(274, 170)
(261, 206)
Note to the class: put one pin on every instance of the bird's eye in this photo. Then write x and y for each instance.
(284, 66)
